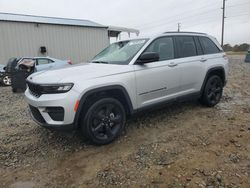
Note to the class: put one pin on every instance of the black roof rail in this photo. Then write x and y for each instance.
(184, 32)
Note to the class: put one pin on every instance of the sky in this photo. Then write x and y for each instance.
(149, 16)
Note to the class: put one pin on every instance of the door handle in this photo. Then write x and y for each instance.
(203, 60)
(172, 64)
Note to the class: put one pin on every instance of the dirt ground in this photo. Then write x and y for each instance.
(182, 145)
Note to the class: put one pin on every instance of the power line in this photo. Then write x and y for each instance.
(215, 20)
(186, 17)
(203, 22)
(176, 19)
(168, 20)
(177, 15)
(200, 22)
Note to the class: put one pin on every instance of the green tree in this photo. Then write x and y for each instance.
(227, 48)
(244, 47)
(241, 47)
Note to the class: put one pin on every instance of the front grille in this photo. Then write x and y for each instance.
(35, 89)
(36, 114)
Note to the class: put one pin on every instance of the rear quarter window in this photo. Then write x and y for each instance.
(208, 46)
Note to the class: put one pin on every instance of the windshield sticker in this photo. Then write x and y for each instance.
(136, 42)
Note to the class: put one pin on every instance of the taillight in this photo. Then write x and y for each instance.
(225, 57)
(70, 62)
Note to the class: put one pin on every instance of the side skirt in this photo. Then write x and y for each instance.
(189, 97)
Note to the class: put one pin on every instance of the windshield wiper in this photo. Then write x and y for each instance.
(103, 62)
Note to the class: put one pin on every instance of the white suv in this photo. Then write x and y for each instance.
(127, 77)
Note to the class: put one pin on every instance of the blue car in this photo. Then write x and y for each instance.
(247, 60)
(44, 63)
(30, 64)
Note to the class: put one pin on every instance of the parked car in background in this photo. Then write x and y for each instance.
(125, 78)
(4, 78)
(43, 63)
(247, 59)
(31, 64)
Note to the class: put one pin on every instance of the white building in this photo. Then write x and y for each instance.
(77, 40)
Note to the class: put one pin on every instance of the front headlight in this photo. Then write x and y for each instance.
(56, 88)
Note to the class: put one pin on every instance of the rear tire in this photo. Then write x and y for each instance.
(213, 91)
(104, 121)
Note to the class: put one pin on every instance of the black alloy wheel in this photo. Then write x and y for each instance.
(104, 121)
(213, 91)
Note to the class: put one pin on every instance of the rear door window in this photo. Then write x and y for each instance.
(208, 46)
(42, 61)
(198, 46)
(185, 46)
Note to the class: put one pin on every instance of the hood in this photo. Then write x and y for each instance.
(83, 71)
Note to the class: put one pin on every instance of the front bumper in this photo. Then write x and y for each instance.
(53, 110)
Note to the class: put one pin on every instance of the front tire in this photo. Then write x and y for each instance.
(213, 91)
(104, 121)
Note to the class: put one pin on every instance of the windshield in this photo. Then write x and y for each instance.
(119, 53)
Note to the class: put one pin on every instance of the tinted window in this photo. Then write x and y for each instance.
(185, 46)
(164, 46)
(208, 46)
(198, 46)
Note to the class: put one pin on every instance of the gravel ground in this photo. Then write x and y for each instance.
(183, 145)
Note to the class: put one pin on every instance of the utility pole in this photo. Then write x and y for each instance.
(223, 22)
(179, 27)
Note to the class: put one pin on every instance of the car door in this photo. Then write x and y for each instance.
(43, 64)
(158, 81)
(191, 63)
(212, 53)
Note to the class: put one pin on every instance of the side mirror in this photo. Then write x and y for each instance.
(148, 57)
(4, 68)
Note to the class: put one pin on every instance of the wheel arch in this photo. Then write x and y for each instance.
(219, 71)
(115, 91)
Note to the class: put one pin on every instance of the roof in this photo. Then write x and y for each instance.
(184, 32)
(48, 20)
(114, 31)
